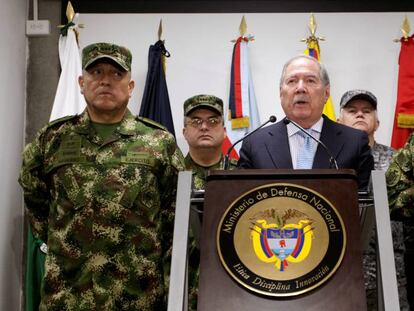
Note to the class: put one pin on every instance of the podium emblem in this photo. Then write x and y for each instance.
(281, 245)
(281, 240)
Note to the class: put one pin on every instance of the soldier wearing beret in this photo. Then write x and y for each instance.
(205, 132)
(100, 188)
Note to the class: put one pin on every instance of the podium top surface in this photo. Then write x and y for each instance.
(282, 174)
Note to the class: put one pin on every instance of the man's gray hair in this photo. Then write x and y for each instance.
(323, 73)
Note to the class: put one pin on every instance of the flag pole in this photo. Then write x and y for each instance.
(312, 26)
(160, 30)
(163, 60)
(243, 27)
(243, 31)
(405, 29)
(70, 16)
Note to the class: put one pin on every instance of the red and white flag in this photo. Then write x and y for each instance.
(242, 116)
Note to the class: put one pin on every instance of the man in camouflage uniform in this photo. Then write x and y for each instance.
(100, 187)
(400, 184)
(359, 110)
(204, 132)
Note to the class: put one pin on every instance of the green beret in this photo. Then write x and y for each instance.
(203, 101)
(95, 51)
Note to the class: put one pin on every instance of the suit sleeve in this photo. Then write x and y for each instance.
(245, 160)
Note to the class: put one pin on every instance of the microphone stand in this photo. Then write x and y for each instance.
(272, 119)
(332, 160)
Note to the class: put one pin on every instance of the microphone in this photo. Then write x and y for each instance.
(332, 160)
(272, 119)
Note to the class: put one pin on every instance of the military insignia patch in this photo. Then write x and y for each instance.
(281, 240)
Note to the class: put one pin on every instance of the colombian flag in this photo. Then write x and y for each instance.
(313, 50)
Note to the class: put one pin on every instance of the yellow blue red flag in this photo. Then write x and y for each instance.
(314, 51)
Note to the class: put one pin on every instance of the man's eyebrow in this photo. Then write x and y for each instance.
(311, 74)
(306, 74)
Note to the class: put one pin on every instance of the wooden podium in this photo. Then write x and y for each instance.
(343, 290)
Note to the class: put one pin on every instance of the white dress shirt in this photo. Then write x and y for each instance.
(296, 140)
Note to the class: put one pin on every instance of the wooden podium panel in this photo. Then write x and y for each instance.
(343, 291)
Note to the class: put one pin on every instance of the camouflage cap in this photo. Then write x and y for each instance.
(358, 94)
(203, 101)
(119, 54)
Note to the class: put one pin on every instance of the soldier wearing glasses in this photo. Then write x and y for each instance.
(204, 132)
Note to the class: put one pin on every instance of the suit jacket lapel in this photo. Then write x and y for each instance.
(278, 146)
(331, 137)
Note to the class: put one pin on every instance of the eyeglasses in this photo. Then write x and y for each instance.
(210, 122)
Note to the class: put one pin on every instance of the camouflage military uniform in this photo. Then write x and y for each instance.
(400, 184)
(400, 181)
(199, 182)
(106, 210)
(200, 172)
(382, 157)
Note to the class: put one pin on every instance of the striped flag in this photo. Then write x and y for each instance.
(242, 116)
(404, 110)
(314, 51)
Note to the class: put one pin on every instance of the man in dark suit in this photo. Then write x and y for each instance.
(304, 89)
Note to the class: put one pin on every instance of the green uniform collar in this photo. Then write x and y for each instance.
(190, 163)
(126, 127)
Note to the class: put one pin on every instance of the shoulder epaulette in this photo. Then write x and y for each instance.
(61, 120)
(151, 123)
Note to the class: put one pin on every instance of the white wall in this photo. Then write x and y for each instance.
(359, 52)
(12, 102)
